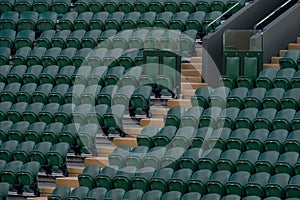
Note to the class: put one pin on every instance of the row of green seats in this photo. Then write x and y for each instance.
(128, 39)
(290, 59)
(20, 177)
(50, 157)
(203, 181)
(39, 6)
(157, 6)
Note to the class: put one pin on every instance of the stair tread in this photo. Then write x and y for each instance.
(132, 142)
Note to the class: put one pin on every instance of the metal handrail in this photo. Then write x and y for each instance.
(271, 14)
(225, 13)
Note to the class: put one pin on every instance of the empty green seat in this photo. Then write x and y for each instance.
(80, 112)
(9, 20)
(283, 78)
(60, 6)
(35, 56)
(65, 57)
(174, 115)
(160, 179)
(27, 20)
(209, 117)
(212, 18)
(191, 195)
(266, 162)
(198, 180)
(141, 180)
(32, 111)
(66, 22)
(285, 163)
(187, 42)
(74, 39)
(4, 108)
(4, 190)
(141, 6)
(41, 93)
(154, 156)
(203, 5)
(81, 75)
(246, 117)
(121, 39)
(34, 132)
(9, 173)
(22, 151)
(98, 21)
(10, 91)
(56, 158)
(171, 157)
(178, 21)
(80, 56)
(113, 120)
(191, 117)
(172, 6)
(291, 143)
(78, 193)
(116, 193)
(46, 21)
(59, 39)
(164, 136)
(24, 38)
(190, 158)
(256, 184)
(113, 75)
(51, 55)
(247, 160)
(146, 20)
(96, 193)
(289, 59)
(156, 6)
(64, 75)
(228, 159)
(218, 97)
(171, 195)
(254, 98)
(73, 94)
(276, 185)
(290, 99)
(123, 177)
(24, 95)
(292, 189)
(209, 159)
(256, 139)
(16, 111)
(140, 101)
(41, 5)
(104, 178)
(7, 149)
(228, 117)
(96, 56)
(60, 192)
(106, 94)
(129, 20)
(183, 137)
(283, 119)
(217, 181)
(201, 97)
(51, 132)
(89, 94)
(96, 114)
(276, 140)
(162, 20)
(20, 57)
(86, 138)
(113, 21)
(135, 193)
(264, 118)
(4, 55)
(32, 74)
(81, 6)
(179, 179)
(131, 76)
(218, 138)
(90, 38)
(237, 182)
(265, 78)
(57, 93)
(39, 152)
(4, 71)
(236, 97)
(16, 73)
(272, 98)
(69, 134)
(135, 156)
(146, 136)
(95, 6)
(123, 95)
(237, 139)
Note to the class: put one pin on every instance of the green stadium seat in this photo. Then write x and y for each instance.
(90, 38)
(152, 194)
(187, 42)
(9, 20)
(113, 75)
(57, 93)
(191, 195)
(236, 183)
(39, 152)
(131, 76)
(32, 111)
(98, 21)
(51, 55)
(65, 57)
(146, 136)
(4, 188)
(129, 20)
(209, 159)
(162, 20)
(203, 5)
(283, 78)
(59, 39)
(191, 117)
(209, 117)
(25, 93)
(121, 39)
(123, 95)
(219, 5)
(64, 75)
(46, 21)
(35, 56)
(217, 181)
(47, 113)
(106, 95)
(4, 55)
(27, 20)
(141, 180)
(69, 133)
(292, 189)
(95, 6)
(256, 184)
(265, 78)
(156, 6)
(276, 139)
(56, 158)
(81, 6)
(22, 151)
(276, 185)
(60, 192)
(178, 21)
(254, 98)
(141, 6)
(289, 59)
(183, 137)
(80, 56)
(81, 75)
(264, 118)
(146, 20)
(123, 178)
(291, 143)
(295, 79)
(51, 132)
(283, 119)
(48, 74)
(104, 178)
(247, 160)
(20, 57)
(32, 74)
(96, 194)
(190, 159)
(170, 37)
(256, 139)
(9, 92)
(200, 137)
(218, 138)
(136, 156)
(24, 38)
(201, 97)
(245, 118)
(172, 6)
(174, 115)
(188, 6)
(213, 16)
(73, 94)
(34, 132)
(4, 108)
(228, 117)
(9, 173)
(266, 162)
(218, 97)
(89, 94)
(86, 138)
(16, 73)
(154, 156)
(112, 56)
(252, 197)
(74, 39)
(7, 149)
(95, 58)
(272, 98)
(4, 71)
(113, 120)
(78, 193)
(198, 180)
(116, 193)
(44, 40)
(286, 162)
(113, 21)
(17, 131)
(160, 179)
(171, 195)
(135, 193)
(16, 110)
(179, 179)
(96, 114)
(236, 97)
(80, 112)
(290, 99)
(66, 22)
(111, 6)
(140, 101)
(117, 157)
(164, 136)
(60, 6)
(228, 159)
(171, 157)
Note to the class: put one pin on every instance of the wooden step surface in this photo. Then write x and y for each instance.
(191, 79)
(275, 60)
(179, 102)
(268, 65)
(104, 151)
(132, 142)
(68, 181)
(75, 171)
(282, 52)
(294, 46)
(298, 40)
(189, 86)
(101, 161)
(197, 66)
(190, 72)
(152, 122)
(133, 131)
(196, 59)
(37, 198)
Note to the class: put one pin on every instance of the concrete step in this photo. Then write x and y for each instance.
(179, 102)
(294, 46)
(268, 65)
